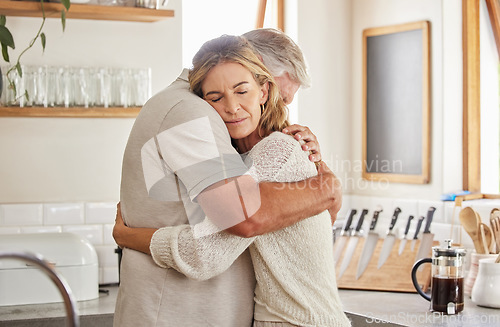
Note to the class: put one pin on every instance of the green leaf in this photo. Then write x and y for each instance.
(5, 53)
(6, 37)
(66, 4)
(3, 20)
(63, 20)
(19, 69)
(26, 94)
(43, 39)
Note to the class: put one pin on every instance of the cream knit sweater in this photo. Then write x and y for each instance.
(294, 267)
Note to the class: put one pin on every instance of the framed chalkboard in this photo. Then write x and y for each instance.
(396, 103)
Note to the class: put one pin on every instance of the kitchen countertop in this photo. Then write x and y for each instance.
(364, 308)
(92, 313)
(410, 309)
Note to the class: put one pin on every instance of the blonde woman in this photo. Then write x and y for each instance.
(294, 268)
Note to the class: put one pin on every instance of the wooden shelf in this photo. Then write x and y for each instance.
(76, 112)
(83, 11)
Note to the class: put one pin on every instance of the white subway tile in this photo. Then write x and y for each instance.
(483, 208)
(439, 214)
(408, 208)
(9, 230)
(109, 275)
(346, 205)
(386, 204)
(446, 231)
(41, 229)
(93, 233)
(100, 212)
(384, 219)
(360, 202)
(20, 214)
(451, 212)
(107, 256)
(63, 213)
(108, 234)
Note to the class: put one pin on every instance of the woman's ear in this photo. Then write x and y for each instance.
(264, 93)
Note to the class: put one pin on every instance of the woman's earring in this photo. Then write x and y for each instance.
(261, 109)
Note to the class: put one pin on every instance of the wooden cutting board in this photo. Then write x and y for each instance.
(394, 275)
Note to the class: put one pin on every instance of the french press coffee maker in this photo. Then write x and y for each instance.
(447, 285)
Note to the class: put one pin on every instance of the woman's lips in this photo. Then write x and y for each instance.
(236, 122)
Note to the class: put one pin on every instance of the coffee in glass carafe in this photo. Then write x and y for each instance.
(447, 285)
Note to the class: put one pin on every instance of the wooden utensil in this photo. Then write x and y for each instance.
(495, 228)
(495, 213)
(493, 246)
(485, 237)
(498, 259)
(470, 223)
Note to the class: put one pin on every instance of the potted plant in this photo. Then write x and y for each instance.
(7, 41)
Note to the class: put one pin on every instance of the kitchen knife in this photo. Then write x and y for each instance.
(389, 240)
(369, 247)
(353, 242)
(427, 237)
(404, 240)
(417, 230)
(344, 235)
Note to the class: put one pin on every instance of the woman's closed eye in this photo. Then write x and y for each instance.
(215, 99)
(212, 97)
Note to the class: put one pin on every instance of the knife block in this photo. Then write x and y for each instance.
(394, 275)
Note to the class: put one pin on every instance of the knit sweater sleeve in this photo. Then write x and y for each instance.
(199, 258)
(280, 158)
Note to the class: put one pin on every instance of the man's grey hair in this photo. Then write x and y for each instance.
(280, 54)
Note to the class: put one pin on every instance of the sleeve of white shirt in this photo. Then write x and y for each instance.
(199, 151)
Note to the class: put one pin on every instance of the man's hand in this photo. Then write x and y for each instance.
(311, 143)
(330, 177)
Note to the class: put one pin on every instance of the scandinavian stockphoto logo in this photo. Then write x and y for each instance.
(173, 157)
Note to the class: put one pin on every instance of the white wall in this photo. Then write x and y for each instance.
(325, 36)
(333, 107)
(381, 13)
(68, 159)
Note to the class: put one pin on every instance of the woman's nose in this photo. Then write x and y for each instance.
(232, 106)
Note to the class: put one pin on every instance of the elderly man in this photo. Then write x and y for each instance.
(178, 157)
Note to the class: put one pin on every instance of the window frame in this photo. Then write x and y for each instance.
(280, 14)
(471, 87)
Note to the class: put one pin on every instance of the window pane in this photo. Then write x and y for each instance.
(205, 20)
(490, 107)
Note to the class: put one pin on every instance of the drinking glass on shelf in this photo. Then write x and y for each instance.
(55, 87)
(39, 96)
(33, 91)
(142, 80)
(29, 78)
(67, 94)
(80, 78)
(104, 81)
(108, 2)
(92, 79)
(9, 97)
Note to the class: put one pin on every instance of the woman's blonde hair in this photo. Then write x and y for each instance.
(236, 49)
